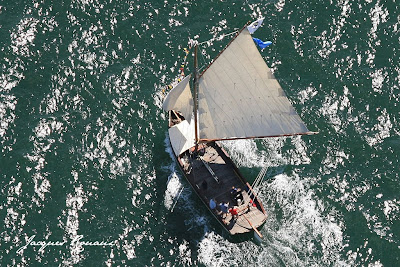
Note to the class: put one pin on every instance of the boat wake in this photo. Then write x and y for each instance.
(180, 197)
(300, 230)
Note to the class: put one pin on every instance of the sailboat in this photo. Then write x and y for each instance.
(235, 97)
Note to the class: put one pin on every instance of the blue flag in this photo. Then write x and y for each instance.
(262, 44)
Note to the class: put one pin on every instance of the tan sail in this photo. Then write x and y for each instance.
(180, 99)
(182, 137)
(240, 98)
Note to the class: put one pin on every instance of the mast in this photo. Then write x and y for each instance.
(195, 90)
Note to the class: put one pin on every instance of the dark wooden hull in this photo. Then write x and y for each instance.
(215, 182)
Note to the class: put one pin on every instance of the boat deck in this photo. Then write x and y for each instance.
(212, 175)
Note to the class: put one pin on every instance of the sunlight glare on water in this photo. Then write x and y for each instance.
(85, 150)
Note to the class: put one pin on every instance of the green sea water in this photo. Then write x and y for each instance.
(87, 176)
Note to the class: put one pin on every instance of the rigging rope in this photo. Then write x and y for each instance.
(184, 63)
(218, 38)
(260, 177)
(181, 70)
(205, 62)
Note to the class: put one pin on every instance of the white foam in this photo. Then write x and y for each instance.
(22, 39)
(7, 115)
(378, 15)
(298, 154)
(305, 220)
(307, 94)
(185, 253)
(334, 158)
(280, 5)
(174, 187)
(290, 238)
(380, 130)
(381, 220)
(244, 152)
(42, 139)
(297, 219)
(330, 110)
(74, 204)
(378, 77)
(177, 197)
(129, 249)
(392, 209)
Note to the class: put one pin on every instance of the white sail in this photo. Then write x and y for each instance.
(240, 98)
(182, 137)
(180, 99)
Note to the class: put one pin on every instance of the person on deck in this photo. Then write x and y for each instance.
(236, 196)
(234, 212)
(224, 207)
(234, 191)
(213, 205)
